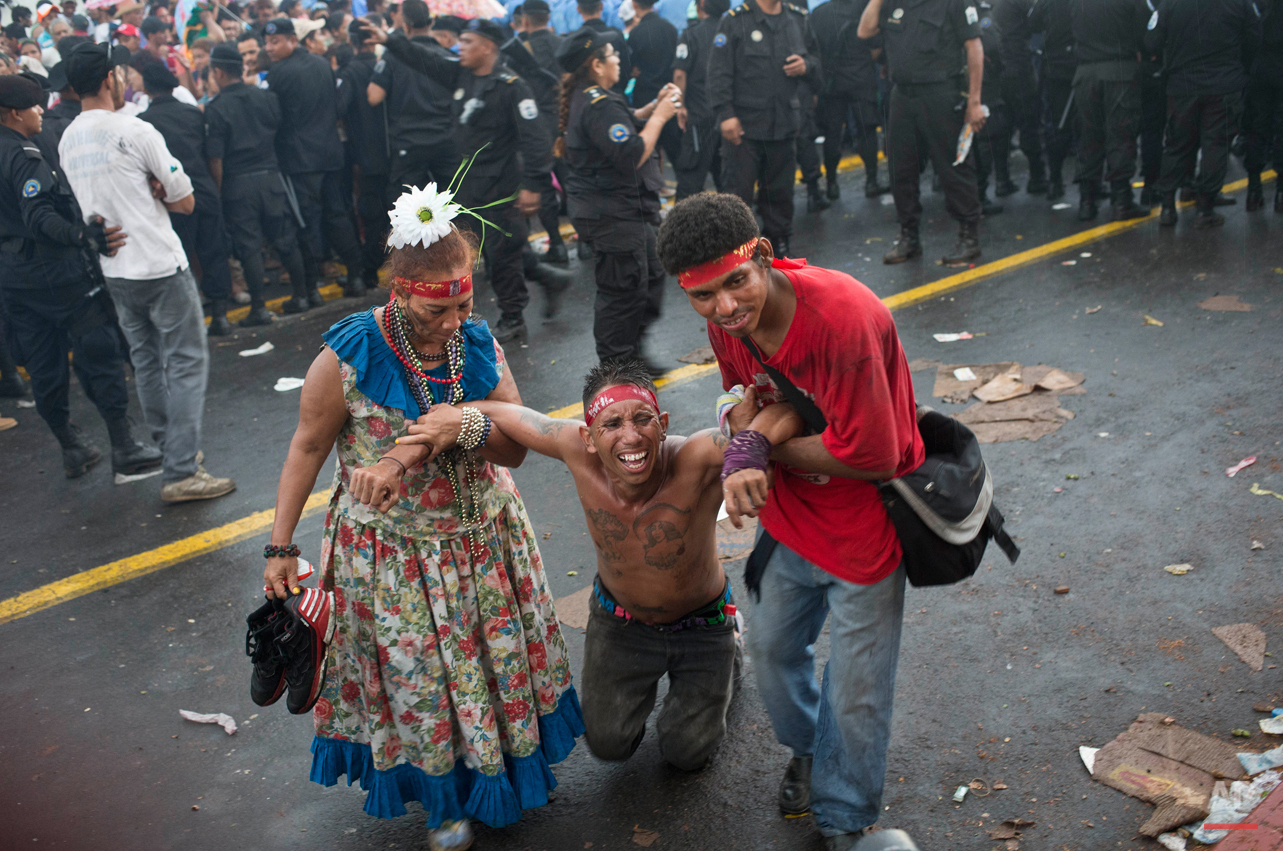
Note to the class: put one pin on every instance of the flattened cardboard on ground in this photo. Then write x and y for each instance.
(1168, 766)
(1246, 640)
(1224, 302)
(572, 610)
(1057, 380)
(704, 354)
(1026, 418)
(953, 390)
(922, 364)
(735, 543)
(1002, 388)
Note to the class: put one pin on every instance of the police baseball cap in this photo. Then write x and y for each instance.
(226, 56)
(89, 64)
(152, 25)
(279, 26)
(486, 28)
(156, 75)
(448, 23)
(18, 91)
(577, 47)
(536, 6)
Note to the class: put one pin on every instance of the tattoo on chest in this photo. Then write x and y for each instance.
(662, 530)
(612, 529)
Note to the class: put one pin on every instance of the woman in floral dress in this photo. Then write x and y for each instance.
(448, 682)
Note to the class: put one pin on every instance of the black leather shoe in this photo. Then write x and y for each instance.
(831, 189)
(134, 458)
(815, 199)
(219, 326)
(78, 455)
(260, 316)
(1168, 217)
(1126, 209)
(1055, 190)
(355, 287)
(1003, 188)
(296, 305)
(509, 326)
(556, 254)
(314, 298)
(795, 788)
(906, 247)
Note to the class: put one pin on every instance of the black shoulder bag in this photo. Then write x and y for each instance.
(943, 511)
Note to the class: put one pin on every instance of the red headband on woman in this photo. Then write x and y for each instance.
(705, 272)
(618, 393)
(435, 289)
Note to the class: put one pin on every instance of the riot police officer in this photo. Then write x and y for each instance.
(762, 50)
(612, 186)
(54, 293)
(367, 139)
(930, 45)
(701, 150)
(1263, 115)
(1051, 18)
(1019, 89)
(496, 119)
(240, 127)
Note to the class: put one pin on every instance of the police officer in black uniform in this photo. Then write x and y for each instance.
(1051, 18)
(311, 155)
(498, 131)
(760, 53)
(613, 183)
(59, 116)
(241, 124)
(936, 63)
(54, 294)
(202, 233)
(701, 149)
(1263, 116)
(367, 140)
(1109, 40)
(1020, 90)
(993, 142)
(850, 91)
(1207, 51)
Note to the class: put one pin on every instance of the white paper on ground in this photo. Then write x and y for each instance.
(261, 350)
(283, 384)
(1243, 798)
(1089, 757)
(221, 718)
(1255, 763)
(1061, 206)
(1272, 725)
(1171, 842)
(964, 374)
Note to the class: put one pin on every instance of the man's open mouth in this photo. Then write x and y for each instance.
(633, 462)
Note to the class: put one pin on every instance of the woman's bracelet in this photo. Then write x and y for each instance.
(475, 429)
(394, 461)
(276, 551)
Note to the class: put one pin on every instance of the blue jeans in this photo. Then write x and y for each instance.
(846, 723)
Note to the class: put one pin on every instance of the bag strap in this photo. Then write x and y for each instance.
(1000, 536)
(805, 408)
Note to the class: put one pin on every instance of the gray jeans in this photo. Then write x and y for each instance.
(623, 661)
(165, 326)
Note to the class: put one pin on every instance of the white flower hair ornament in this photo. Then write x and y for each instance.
(421, 216)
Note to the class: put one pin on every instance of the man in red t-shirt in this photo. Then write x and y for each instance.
(834, 549)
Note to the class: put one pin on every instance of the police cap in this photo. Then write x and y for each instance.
(487, 29)
(536, 6)
(225, 55)
(156, 75)
(152, 25)
(18, 91)
(448, 23)
(279, 26)
(578, 46)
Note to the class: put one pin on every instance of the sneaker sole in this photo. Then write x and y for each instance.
(196, 497)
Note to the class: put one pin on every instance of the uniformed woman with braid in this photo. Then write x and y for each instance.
(612, 188)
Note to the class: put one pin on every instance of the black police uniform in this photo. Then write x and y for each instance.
(543, 46)
(620, 43)
(924, 42)
(1108, 39)
(746, 80)
(614, 204)
(53, 291)
(1051, 18)
(1020, 89)
(849, 97)
(202, 233)
(1263, 115)
(993, 142)
(55, 122)
(367, 143)
(1153, 117)
(701, 151)
(497, 127)
(311, 156)
(421, 134)
(241, 124)
(1207, 49)
(652, 44)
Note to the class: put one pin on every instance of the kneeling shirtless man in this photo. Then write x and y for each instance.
(660, 596)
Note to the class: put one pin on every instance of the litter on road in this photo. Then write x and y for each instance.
(952, 338)
(1246, 640)
(1095, 309)
(1179, 569)
(260, 350)
(1246, 462)
(1225, 302)
(964, 373)
(221, 718)
(283, 384)
(1257, 545)
(1010, 828)
(1272, 725)
(1233, 803)
(959, 794)
(1260, 491)
(1255, 763)
(1149, 320)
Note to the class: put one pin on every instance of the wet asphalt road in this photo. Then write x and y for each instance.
(999, 678)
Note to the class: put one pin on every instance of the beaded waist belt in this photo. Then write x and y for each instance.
(714, 613)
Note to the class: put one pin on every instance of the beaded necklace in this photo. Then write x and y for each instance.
(398, 339)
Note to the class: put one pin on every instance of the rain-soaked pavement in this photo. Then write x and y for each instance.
(1000, 678)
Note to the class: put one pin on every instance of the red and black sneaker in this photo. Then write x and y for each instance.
(304, 644)
(266, 625)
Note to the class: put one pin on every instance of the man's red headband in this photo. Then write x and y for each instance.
(705, 272)
(618, 393)
(435, 289)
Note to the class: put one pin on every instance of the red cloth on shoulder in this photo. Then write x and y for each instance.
(843, 352)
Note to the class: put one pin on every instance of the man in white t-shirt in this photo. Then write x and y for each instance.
(119, 168)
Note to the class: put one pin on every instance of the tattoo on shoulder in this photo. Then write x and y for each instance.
(720, 440)
(543, 424)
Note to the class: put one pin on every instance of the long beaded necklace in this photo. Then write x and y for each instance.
(398, 325)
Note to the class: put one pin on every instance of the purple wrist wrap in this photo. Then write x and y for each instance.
(748, 450)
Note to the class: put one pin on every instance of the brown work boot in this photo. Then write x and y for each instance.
(906, 247)
(967, 249)
(199, 485)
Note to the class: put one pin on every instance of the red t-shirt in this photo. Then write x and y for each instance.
(843, 352)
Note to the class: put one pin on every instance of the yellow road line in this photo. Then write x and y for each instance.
(132, 567)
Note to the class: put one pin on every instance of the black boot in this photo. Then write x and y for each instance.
(815, 199)
(355, 286)
(11, 384)
(554, 283)
(906, 247)
(987, 206)
(260, 316)
(1168, 216)
(584, 252)
(128, 456)
(795, 788)
(831, 187)
(1055, 190)
(1087, 201)
(314, 298)
(78, 455)
(780, 245)
(1206, 215)
(509, 325)
(218, 324)
(1125, 206)
(297, 305)
(967, 249)
(556, 253)
(1037, 177)
(1255, 193)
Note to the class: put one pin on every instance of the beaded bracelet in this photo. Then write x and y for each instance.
(275, 551)
(485, 435)
(473, 432)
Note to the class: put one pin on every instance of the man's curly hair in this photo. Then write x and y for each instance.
(703, 227)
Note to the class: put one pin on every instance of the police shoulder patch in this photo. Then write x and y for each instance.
(528, 109)
(380, 65)
(740, 8)
(720, 40)
(971, 14)
(799, 9)
(31, 188)
(682, 51)
(508, 77)
(619, 133)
